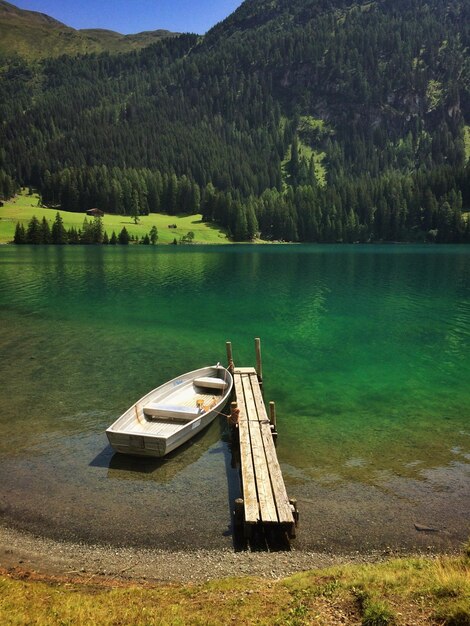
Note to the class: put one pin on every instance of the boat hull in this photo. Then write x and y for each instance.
(136, 434)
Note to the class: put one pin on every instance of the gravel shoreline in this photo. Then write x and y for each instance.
(23, 552)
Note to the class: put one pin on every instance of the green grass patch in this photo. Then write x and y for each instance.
(311, 134)
(434, 94)
(399, 592)
(23, 207)
(307, 152)
(466, 136)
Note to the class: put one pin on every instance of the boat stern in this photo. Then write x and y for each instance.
(137, 445)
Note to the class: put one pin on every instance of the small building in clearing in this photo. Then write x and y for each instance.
(95, 213)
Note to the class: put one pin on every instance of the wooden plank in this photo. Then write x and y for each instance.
(281, 498)
(250, 496)
(263, 481)
(245, 370)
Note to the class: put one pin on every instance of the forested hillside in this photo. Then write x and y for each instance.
(303, 120)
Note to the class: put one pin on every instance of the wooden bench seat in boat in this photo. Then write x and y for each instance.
(171, 412)
(210, 382)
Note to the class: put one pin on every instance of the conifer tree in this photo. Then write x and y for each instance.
(153, 235)
(73, 236)
(135, 207)
(34, 231)
(58, 232)
(45, 231)
(123, 237)
(20, 234)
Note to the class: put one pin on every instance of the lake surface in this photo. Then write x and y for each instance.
(366, 351)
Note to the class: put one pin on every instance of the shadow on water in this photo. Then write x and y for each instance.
(161, 470)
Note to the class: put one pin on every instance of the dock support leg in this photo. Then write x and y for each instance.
(247, 531)
(228, 346)
(291, 531)
(259, 365)
(234, 415)
(273, 420)
(295, 510)
(238, 514)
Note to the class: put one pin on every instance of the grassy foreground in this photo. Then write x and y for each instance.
(400, 592)
(23, 207)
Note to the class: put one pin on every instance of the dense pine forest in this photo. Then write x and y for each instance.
(296, 120)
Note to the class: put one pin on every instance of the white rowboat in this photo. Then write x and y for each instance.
(171, 414)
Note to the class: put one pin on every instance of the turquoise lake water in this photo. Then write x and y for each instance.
(366, 351)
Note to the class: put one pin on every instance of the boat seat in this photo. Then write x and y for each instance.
(210, 382)
(171, 412)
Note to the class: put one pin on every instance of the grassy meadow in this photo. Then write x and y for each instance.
(23, 207)
(397, 592)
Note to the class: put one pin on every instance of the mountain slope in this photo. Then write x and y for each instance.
(36, 35)
(312, 120)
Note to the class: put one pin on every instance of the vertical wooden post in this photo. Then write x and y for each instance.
(273, 420)
(234, 414)
(272, 414)
(259, 365)
(295, 510)
(239, 512)
(228, 346)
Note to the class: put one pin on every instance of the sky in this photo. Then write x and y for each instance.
(134, 16)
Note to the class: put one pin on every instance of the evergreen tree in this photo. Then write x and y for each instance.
(123, 237)
(58, 232)
(34, 231)
(45, 231)
(153, 235)
(20, 234)
(73, 236)
(135, 207)
(97, 230)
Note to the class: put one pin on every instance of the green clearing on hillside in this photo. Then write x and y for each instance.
(466, 135)
(312, 131)
(23, 207)
(397, 592)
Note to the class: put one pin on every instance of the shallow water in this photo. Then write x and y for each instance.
(365, 351)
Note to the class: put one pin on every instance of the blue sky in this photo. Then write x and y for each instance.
(133, 16)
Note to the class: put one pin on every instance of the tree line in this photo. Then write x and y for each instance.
(38, 232)
(232, 124)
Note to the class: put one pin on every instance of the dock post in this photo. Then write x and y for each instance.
(295, 510)
(238, 516)
(273, 419)
(228, 345)
(234, 414)
(259, 365)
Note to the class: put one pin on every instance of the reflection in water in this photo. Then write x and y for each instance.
(160, 470)
(365, 348)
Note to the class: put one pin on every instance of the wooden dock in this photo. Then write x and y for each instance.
(265, 500)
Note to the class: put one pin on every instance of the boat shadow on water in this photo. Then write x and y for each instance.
(157, 469)
(163, 470)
